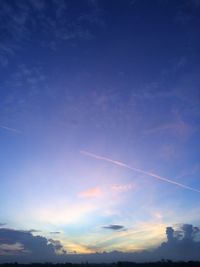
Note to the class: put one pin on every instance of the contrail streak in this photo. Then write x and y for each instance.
(10, 129)
(121, 164)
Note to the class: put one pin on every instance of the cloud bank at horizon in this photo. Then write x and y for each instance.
(21, 246)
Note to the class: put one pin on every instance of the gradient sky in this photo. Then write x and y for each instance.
(119, 79)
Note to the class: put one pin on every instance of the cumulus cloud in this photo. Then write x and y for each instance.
(170, 234)
(28, 247)
(57, 245)
(182, 244)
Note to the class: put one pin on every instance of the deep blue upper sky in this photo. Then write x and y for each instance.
(120, 80)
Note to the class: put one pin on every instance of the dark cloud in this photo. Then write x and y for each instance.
(170, 234)
(190, 232)
(54, 233)
(31, 247)
(114, 227)
(57, 245)
(182, 244)
(2, 224)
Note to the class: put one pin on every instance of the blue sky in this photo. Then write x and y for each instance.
(119, 79)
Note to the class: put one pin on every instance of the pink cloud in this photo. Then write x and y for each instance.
(92, 192)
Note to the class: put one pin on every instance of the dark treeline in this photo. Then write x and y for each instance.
(163, 263)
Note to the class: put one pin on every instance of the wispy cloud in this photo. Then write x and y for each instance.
(122, 187)
(15, 19)
(92, 192)
(10, 129)
(124, 165)
(179, 128)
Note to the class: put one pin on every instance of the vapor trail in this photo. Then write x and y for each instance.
(10, 129)
(121, 164)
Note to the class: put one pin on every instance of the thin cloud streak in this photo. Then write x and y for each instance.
(10, 129)
(121, 164)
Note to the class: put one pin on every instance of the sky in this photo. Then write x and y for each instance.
(99, 130)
